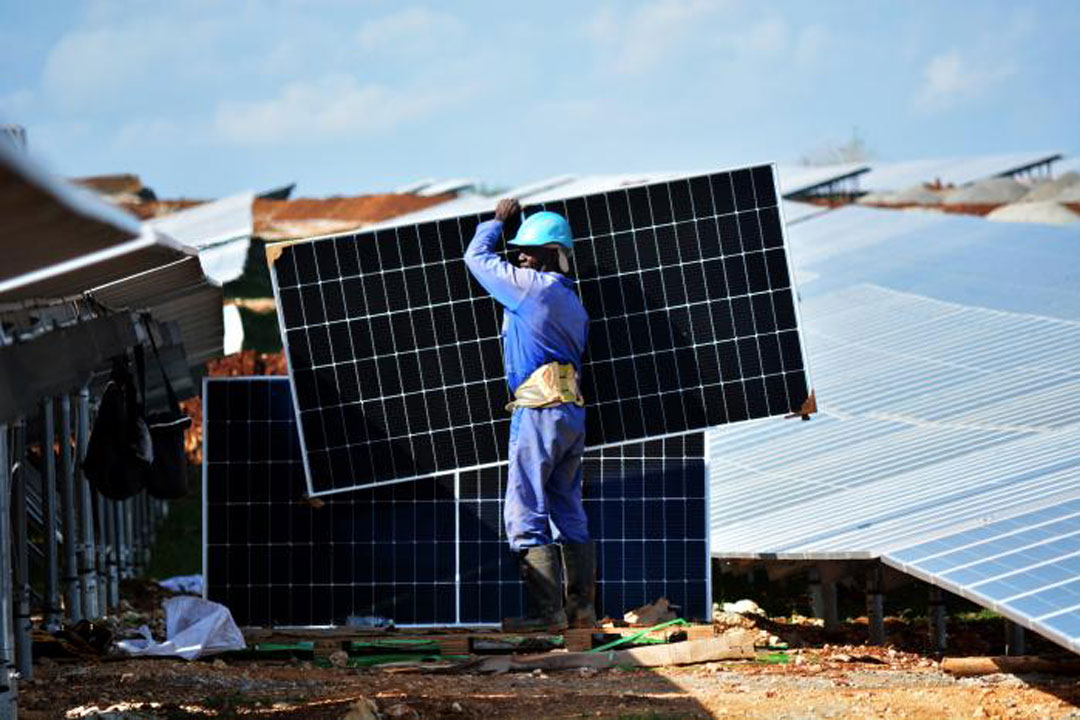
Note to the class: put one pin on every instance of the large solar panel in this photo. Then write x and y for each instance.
(1026, 567)
(426, 552)
(395, 356)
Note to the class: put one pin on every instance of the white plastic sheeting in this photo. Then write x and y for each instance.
(194, 628)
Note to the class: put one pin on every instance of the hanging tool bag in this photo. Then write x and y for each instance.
(120, 451)
(168, 476)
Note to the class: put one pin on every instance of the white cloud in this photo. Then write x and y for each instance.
(950, 79)
(639, 40)
(96, 65)
(811, 44)
(334, 106)
(410, 32)
(768, 37)
(154, 133)
(14, 104)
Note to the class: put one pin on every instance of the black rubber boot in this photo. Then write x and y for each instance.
(541, 570)
(580, 561)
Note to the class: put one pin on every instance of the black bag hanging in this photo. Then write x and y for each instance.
(120, 452)
(168, 476)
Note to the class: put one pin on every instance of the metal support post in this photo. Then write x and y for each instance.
(121, 540)
(140, 533)
(21, 555)
(875, 606)
(125, 559)
(113, 558)
(87, 571)
(154, 506)
(72, 596)
(8, 691)
(49, 517)
(102, 547)
(148, 530)
(823, 594)
(936, 613)
(129, 538)
(1015, 639)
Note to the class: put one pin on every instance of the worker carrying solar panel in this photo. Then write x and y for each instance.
(544, 332)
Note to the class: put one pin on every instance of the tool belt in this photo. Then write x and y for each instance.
(549, 385)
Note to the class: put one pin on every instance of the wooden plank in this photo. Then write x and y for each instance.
(459, 641)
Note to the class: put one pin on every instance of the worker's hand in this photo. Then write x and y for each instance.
(506, 209)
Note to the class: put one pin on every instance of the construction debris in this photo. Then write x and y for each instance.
(651, 614)
(681, 653)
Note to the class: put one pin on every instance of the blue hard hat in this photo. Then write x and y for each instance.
(543, 228)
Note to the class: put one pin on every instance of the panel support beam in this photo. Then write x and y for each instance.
(50, 516)
(875, 604)
(937, 616)
(21, 555)
(1015, 639)
(823, 578)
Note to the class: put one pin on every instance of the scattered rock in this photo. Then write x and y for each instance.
(743, 607)
(362, 709)
(401, 710)
(339, 658)
(651, 614)
(219, 663)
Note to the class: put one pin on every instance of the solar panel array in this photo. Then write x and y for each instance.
(426, 552)
(1026, 567)
(395, 355)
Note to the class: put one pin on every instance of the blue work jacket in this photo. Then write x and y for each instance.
(544, 319)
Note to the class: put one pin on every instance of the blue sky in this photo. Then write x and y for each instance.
(206, 98)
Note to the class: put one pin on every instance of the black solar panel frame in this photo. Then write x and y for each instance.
(673, 465)
(671, 407)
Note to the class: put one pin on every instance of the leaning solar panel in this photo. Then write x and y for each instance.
(395, 356)
(646, 506)
(428, 552)
(1026, 567)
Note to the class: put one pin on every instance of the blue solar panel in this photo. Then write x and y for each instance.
(430, 551)
(1026, 567)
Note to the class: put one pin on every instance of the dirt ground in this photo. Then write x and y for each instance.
(822, 674)
(827, 682)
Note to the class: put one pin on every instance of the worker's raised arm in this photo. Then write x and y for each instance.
(507, 284)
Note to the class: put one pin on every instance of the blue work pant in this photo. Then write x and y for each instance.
(544, 484)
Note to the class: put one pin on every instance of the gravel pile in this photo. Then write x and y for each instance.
(916, 195)
(993, 191)
(1043, 211)
(1071, 194)
(1051, 189)
(876, 198)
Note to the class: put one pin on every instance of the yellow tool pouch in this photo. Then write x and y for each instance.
(549, 385)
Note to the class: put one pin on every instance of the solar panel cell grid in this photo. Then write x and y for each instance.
(430, 551)
(693, 324)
